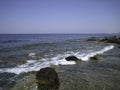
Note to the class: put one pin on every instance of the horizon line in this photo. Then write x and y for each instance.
(60, 33)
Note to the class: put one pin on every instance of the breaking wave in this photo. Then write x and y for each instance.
(35, 65)
(85, 57)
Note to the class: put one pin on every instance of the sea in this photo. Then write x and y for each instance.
(24, 53)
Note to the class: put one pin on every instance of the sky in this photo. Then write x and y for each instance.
(59, 16)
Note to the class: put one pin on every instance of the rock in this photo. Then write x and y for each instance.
(47, 79)
(113, 39)
(118, 46)
(93, 39)
(72, 58)
(95, 57)
(104, 39)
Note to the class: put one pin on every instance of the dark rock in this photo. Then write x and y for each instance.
(72, 58)
(47, 79)
(118, 46)
(93, 39)
(113, 39)
(95, 57)
(104, 39)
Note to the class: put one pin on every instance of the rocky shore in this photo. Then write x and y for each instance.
(111, 39)
(91, 75)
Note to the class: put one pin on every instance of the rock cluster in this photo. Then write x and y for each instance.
(112, 39)
(93, 39)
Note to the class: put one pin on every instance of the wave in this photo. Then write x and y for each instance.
(35, 65)
(85, 57)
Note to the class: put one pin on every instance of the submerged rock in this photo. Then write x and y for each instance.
(27, 82)
(47, 79)
(72, 58)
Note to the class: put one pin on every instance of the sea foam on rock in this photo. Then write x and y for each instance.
(47, 79)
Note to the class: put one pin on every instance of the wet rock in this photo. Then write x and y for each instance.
(47, 79)
(118, 46)
(72, 58)
(95, 57)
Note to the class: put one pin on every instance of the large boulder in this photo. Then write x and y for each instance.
(72, 58)
(47, 79)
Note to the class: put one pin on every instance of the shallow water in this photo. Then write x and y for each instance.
(20, 54)
(93, 75)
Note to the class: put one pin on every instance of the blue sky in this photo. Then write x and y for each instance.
(59, 16)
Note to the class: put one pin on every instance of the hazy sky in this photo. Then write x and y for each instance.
(59, 16)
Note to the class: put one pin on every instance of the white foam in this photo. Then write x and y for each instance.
(31, 61)
(85, 57)
(35, 65)
(31, 54)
